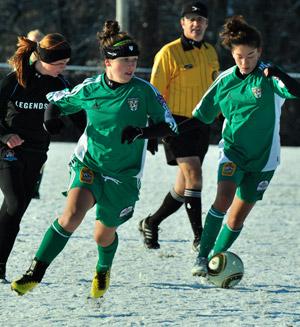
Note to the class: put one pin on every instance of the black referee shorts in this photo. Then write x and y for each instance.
(189, 144)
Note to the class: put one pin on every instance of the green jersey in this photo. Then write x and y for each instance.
(108, 112)
(252, 108)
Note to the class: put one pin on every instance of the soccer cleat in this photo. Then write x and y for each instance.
(100, 284)
(200, 267)
(150, 234)
(24, 284)
(30, 279)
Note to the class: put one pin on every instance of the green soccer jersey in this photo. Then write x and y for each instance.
(108, 112)
(252, 108)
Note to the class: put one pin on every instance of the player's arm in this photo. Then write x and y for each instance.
(161, 74)
(183, 127)
(290, 83)
(131, 133)
(52, 119)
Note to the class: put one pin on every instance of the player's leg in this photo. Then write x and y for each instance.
(111, 214)
(213, 223)
(229, 176)
(250, 190)
(17, 179)
(191, 170)
(239, 210)
(79, 201)
(171, 203)
(107, 244)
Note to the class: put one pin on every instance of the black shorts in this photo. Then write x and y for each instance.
(189, 144)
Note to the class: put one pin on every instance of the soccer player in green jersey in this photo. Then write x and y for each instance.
(250, 96)
(108, 160)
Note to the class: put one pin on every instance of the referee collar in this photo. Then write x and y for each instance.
(188, 44)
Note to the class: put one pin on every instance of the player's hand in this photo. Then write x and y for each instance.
(152, 146)
(130, 134)
(53, 126)
(14, 141)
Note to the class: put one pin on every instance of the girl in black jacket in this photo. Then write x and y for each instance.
(23, 141)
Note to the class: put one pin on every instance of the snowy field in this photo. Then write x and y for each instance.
(155, 288)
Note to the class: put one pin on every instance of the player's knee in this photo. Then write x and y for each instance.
(103, 239)
(222, 202)
(104, 236)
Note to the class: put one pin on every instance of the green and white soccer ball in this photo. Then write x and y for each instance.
(225, 269)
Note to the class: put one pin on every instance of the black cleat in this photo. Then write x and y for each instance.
(150, 234)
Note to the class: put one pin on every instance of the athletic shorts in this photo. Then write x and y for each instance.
(190, 144)
(251, 185)
(115, 199)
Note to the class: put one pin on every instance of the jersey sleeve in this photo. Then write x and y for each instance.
(158, 109)
(280, 88)
(208, 108)
(70, 101)
(161, 72)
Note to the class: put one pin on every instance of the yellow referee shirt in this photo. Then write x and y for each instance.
(182, 76)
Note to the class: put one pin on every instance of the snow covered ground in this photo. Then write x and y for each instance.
(155, 288)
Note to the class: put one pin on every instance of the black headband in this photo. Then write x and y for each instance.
(124, 48)
(51, 55)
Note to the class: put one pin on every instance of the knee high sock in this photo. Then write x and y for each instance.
(212, 226)
(193, 207)
(106, 255)
(53, 243)
(225, 239)
(172, 202)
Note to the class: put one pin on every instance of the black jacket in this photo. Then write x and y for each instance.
(22, 109)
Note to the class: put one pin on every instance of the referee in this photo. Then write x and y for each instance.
(182, 72)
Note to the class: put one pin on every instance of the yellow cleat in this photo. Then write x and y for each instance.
(100, 284)
(31, 278)
(23, 284)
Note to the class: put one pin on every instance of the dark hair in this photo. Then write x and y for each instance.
(20, 61)
(114, 43)
(236, 31)
(111, 34)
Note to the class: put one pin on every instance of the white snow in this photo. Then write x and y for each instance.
(156, 288)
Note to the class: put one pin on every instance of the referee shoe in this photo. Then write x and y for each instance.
(150, 234)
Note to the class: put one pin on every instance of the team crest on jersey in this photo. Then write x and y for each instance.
(262, 186)
(9, 155)
(133, 104)
(86, 176)
(257, 92)
(126, 211)
(228, 169)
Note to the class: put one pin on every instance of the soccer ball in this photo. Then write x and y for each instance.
(225, 269)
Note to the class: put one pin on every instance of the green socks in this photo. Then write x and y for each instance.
(225, 239)
(106, 255)
(212, 226)
(53, 243)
